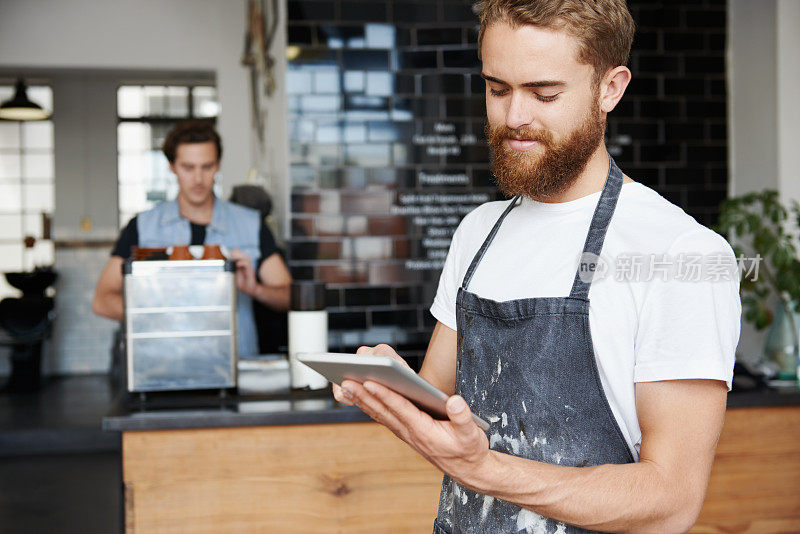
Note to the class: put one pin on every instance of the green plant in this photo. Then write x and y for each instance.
(758, 225)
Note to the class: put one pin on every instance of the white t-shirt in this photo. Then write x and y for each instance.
(682, 323)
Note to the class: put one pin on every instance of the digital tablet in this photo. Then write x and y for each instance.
(386, 371)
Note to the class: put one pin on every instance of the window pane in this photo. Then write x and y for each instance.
(132, 198)
(10, 197)
(205, 102)
(9, 134)
(166, 101)
(130, 102)
(157, 164)
(38, 197)
(133, 137)
(10, 227)
(177, 101)
(11, 257)
(42, 95)
(33, 224)
(37, 165)
(38, 135)
(9, 166)
(131, 167)
(155, 100)
(159, 133)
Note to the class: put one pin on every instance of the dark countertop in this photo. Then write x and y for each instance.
(763, 398)
(265, 399)
(198, 411)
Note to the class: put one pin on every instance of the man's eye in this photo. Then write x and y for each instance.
(496, 92)
(546, 98)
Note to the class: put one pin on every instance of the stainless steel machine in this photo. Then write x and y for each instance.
(180, 324)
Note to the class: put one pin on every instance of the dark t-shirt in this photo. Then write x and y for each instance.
(129, 237)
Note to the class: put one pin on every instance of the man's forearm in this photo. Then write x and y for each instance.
(276, 297)
(109, 305)
(633, 497)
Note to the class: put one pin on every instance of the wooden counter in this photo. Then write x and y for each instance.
(755, 481)
(347, 478)
(357, 477)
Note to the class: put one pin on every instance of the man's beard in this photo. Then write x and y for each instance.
(540, 175)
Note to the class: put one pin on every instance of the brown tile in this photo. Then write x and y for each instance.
(397, 225)
(342, 274)
(366, 201)
(392, 273)
(302, 227)
(329, 250)
(402, 248)
(305, 202)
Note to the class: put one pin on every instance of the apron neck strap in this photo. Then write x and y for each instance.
(597, 231)
(594, 239)
(477, 259)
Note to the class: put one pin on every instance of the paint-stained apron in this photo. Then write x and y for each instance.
(528, 367)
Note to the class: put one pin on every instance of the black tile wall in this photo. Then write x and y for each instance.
(388, 152)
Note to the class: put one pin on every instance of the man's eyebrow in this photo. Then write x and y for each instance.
(540, 83)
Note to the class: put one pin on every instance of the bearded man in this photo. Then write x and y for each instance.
(606, 394)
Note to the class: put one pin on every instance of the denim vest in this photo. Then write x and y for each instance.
(232, 226)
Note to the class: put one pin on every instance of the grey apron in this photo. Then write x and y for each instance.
(528, 367)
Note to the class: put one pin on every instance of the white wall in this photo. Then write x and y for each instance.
(788, 105)
(764, 141)
(752, 91)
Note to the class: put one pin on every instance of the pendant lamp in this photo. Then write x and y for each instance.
(20, 108)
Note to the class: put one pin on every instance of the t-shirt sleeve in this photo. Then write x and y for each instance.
(443, 308)
(689, 321)
(128, 238)
(267, 244)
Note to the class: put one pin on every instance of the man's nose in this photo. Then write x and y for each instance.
(519, 113)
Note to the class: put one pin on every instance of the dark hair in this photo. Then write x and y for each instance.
(193, 131)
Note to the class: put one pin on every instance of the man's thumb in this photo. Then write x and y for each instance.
(458, 411)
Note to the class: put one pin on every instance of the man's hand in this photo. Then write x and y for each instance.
(456, 446)
(378, 350)
(245, 274)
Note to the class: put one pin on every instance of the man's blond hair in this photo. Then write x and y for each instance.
(604, 28)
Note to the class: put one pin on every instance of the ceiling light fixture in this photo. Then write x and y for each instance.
(20, 108)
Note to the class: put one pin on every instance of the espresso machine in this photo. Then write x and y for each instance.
(180, 324)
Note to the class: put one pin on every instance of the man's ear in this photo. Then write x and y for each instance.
(613, 86)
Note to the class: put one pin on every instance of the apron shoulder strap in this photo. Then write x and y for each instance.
(479, 256)
(597, 231)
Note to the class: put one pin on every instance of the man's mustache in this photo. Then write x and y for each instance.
(501, 133)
